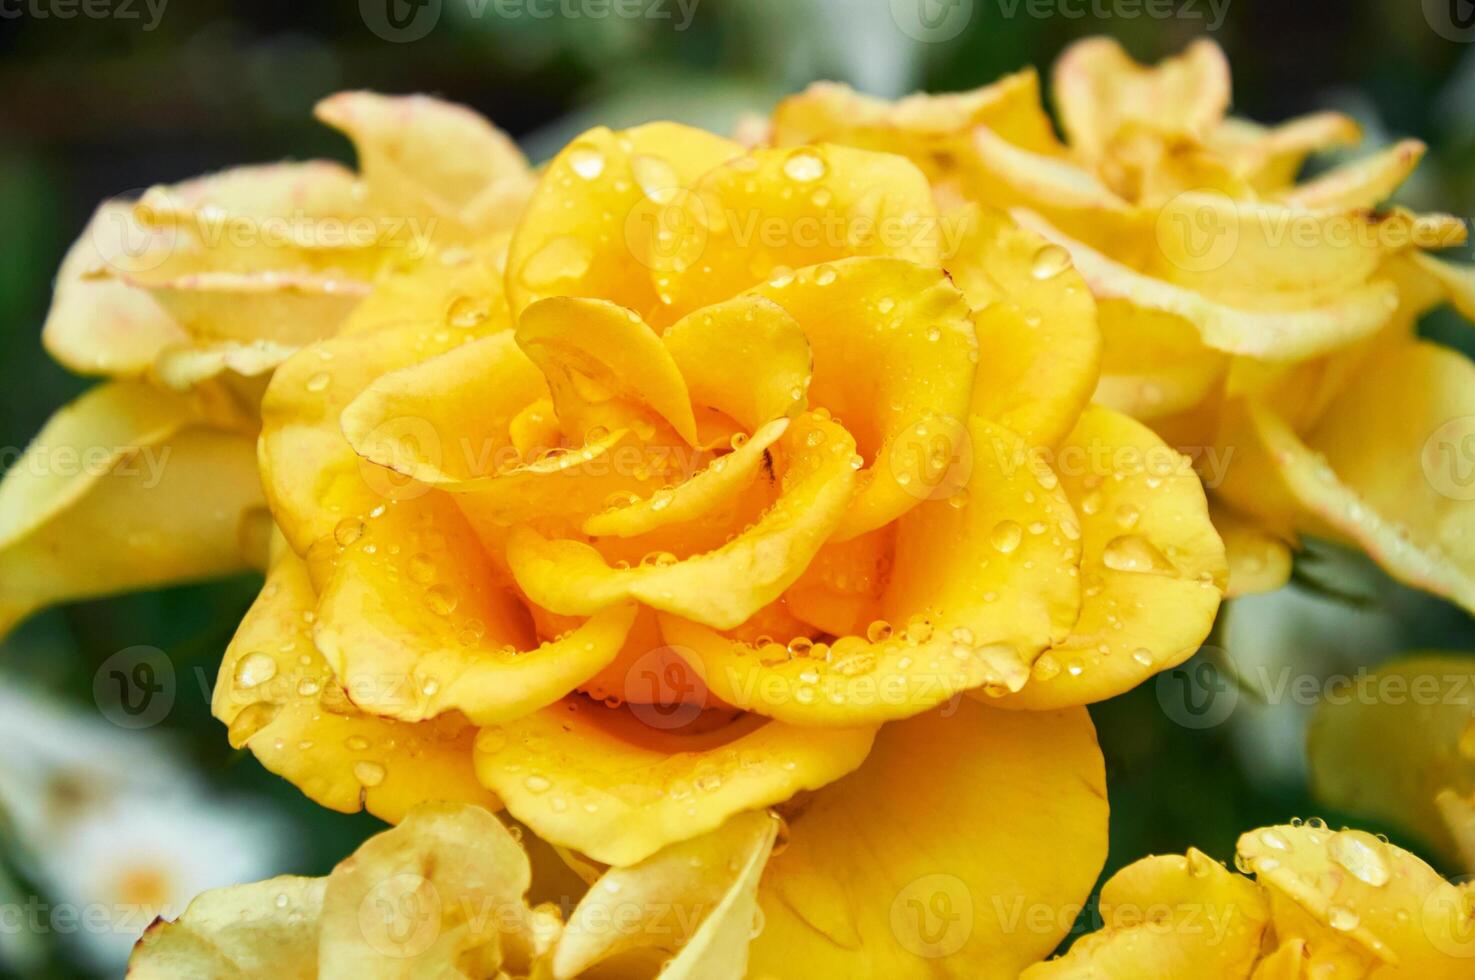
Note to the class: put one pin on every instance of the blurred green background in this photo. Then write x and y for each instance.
(94, 107)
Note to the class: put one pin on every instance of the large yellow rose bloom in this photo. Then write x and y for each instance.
(1264, 326)
(715, 487)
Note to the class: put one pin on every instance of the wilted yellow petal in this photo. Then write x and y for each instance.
(430, 159)
(1002, 175)
(183, 367)
(1362, 183)
(1153, 364)
(1098, 87)
(604, 782)
(697, 896)
(1271, 157)
(1152, 565)
(285, 307)
(1457, 281)
(126, 488)
(1354, 474)
(929, 900)
(442, 894)
(1282, 334)
(1265, 256)
(99, 324)
(924, 128)
(269, 928)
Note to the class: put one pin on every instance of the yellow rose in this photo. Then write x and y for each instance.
(1265, 327)
(711, 490)
(186, 299)
(446, 894)
(1341, 904)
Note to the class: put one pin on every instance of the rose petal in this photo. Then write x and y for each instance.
(603, 782)
(280, 699)
(1039, 346)
(927, 900)
(1152, 569)
(723, 587)
(126, 488)
(697, 896)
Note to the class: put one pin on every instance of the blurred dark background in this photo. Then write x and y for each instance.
(94, 106)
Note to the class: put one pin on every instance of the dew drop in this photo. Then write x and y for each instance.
(586, 161)
(255, 669)
(1134, 553)
(804, 166)
(466, 312)
(1362, 855)
(369, 773)
(441, 600)
(347, 531)
(1006, 536)
(1050, 261)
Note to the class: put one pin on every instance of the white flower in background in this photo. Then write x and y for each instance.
(113, 830)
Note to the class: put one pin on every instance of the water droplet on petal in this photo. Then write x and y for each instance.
(804, 166)
(586, 161)
(255, 669)
(369, 773)
(1050, 261)
(1006, 536)
(1363, 855)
